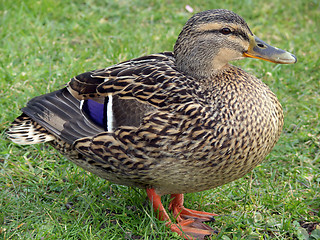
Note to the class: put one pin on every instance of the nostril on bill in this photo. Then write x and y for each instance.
(260, 45)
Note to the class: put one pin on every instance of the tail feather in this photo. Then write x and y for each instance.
(25, 131)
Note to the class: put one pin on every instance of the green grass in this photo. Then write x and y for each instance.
(44, 196)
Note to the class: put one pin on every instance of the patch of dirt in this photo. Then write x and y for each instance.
(309, 226)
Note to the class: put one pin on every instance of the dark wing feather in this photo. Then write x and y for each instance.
(129, 112)
(59, 112)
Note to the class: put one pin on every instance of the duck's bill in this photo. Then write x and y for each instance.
(261, 50)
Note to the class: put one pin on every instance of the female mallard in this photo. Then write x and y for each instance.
(173, 122)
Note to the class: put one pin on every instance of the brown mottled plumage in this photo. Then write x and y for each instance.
(172, 123)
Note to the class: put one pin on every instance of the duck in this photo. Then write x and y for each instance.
(170, 123)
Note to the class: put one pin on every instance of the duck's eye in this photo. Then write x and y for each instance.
(225, 31)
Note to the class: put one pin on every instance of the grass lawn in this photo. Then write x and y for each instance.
(44, 43)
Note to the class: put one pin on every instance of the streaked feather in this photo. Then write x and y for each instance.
(25, 131)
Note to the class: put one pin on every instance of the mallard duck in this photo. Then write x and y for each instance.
(171, 123)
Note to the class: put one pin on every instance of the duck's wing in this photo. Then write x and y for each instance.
(100, 101)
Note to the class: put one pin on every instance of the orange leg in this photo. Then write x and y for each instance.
(189, 228)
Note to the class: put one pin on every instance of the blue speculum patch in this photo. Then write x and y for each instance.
(95, 111)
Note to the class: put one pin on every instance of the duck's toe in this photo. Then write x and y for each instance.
(200, 216)
(192, 229)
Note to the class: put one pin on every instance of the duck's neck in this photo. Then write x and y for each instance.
(201, 67)
(203, 71)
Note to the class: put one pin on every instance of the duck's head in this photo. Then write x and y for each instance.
(211, 39)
